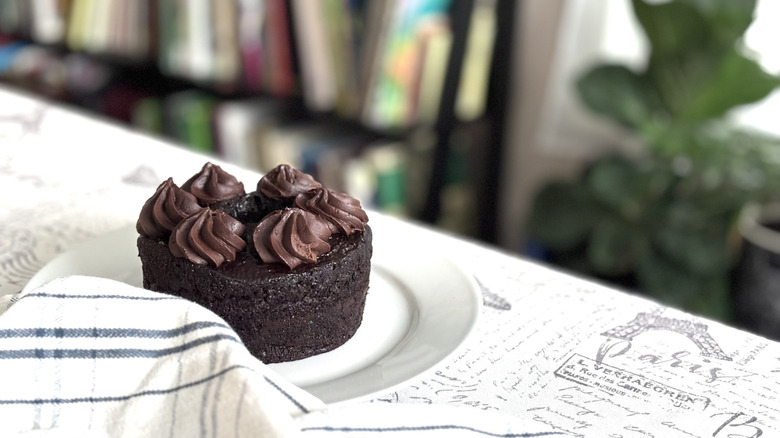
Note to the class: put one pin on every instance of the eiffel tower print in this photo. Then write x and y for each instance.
(695, 331)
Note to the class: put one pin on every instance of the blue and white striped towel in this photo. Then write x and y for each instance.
(83, 356)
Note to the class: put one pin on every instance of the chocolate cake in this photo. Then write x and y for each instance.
(286, 266)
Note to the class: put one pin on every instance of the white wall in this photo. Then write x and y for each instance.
(525, 166)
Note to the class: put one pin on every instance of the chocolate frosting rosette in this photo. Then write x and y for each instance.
(208, 237)
(291, 236)
(343, 212)
(212, 184)
(165, 209)
(284, 181)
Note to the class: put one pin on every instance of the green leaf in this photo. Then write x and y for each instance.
(667, 282)
(699, 251)
(727, 19)
(614, 247)
(616, 182)
(616, 92)
(673, 28)
(736, 80)
(694, 66)
(677, 79)
(562, 216)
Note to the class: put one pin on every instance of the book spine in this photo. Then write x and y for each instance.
(280, 63)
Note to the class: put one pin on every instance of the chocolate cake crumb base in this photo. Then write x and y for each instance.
(279, 314)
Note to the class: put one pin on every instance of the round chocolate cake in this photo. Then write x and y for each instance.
(287, 265)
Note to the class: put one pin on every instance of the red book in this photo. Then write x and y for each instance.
(280, 53)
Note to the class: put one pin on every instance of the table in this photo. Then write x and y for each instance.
(549, 347)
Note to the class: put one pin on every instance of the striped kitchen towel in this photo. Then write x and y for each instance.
(84, 356)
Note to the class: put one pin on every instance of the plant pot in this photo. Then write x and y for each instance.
(756, 281)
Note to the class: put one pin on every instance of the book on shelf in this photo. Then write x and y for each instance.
(242, 43)
(9, 52)
(119, 21)
(50, 20)
(168, 38)
(339, 22)
(435, 38)
(250, 24)
(377, 17)
(318, 82)
(186, 41)
(352, 54)
(118, 28)
(188, 118)
(388, 163)
(280, 74)
(119, 100)
(197, 35)
(381, 63)
(334, 163)
(86, 75)
(78, 23)
(98, 30)
(147, 115)
(475, 76)
(236, 123)
(326, 158)
(14, 17)
(464, 187)
(224, 44)
(392, 89)
(289, 141)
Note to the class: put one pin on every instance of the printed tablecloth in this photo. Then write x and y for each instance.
(550, 349)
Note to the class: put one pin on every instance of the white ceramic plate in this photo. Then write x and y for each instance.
(421, 307)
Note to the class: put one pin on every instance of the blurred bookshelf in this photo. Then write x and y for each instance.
(400, 103)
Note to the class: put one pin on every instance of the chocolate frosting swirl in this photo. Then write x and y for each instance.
(291, 236)
(342, 211)
(208, 237)
(164, 210)
(284, 181)
(212, 184)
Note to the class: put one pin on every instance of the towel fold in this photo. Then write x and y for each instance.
(85, 356)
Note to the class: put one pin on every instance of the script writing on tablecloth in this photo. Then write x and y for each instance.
(595, 363)
(682, 371)
(616, 381)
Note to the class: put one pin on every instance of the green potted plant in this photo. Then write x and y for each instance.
(663, 222)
